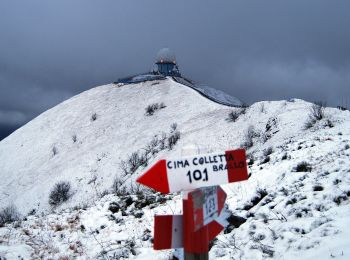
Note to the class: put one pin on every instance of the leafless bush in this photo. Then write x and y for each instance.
(152, 147)
(162, 141)
(136, 160)
(118, 187)
(60, 193)
(150, 109)
(133, 162)
(93, 117)
(249, 136)
(74, 138)
(8, 214)
(268, 151)
(303, 167)
(140, 158)
(173, 137)
(235, 114)
(316, 113)
(54, 150)
(262, 108)
(317, 110)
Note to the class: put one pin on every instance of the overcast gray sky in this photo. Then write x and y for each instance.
(254, 50)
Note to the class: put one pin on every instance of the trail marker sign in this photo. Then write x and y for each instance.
(189, 173)
(205, 205)
(200, 175)
(168, 231)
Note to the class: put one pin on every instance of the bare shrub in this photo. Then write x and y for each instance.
(74, 138)
(268, 151)
(133, 162)
(173, 137)
(249, 136)
(329, 123)
(316, 113)
(93, 117)
(303, 167)
(152, 108)
(136, 160)
(162, 141)
(235, 114)
(262, 108)
(317, 110)
(60, 193)
(8, 214)
(118, 187)
(54, 150)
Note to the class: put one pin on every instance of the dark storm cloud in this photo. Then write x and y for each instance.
(255, 50)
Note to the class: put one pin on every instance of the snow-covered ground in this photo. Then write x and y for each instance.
(283, 212)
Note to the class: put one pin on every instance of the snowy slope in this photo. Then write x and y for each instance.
(287, 214)
(219, 96)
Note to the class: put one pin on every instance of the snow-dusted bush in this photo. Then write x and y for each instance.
(60, 193)
(133, 162)
(54, 150)
(150, 109)
(140, 158)
(93, 117)
(8, 214)
(303, 167)
(317, 110)
(329, 123)
(249, 136)
(268, 151)
(262, 108)
(235, 114)
(316, 113)
(173, 137)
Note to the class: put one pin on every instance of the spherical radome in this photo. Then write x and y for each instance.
(166, 55)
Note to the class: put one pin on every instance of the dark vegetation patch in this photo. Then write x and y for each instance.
(318, 188)
(340, 198)
(259, 196)
(8, 214)
(93, 117)
(234, 222)
(60, 193)
(284, 156)
(152, 108)
(303, 167)
(266, 160)
(235, 114)
(316, 113)
(268, 151)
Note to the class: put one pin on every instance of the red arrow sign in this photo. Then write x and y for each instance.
(205, 205)
(198, 171)
(168, 232)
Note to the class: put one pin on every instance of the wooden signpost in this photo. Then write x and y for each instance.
(202, 203)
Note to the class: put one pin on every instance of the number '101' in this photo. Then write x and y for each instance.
(197, 175)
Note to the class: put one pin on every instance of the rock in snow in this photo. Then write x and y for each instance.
(294, 205)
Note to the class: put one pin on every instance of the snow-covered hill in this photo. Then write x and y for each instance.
(296, 202)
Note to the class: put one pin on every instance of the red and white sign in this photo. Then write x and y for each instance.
(168, 231)
(189, 173)
(205, 205)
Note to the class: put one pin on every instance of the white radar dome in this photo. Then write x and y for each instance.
(166, 55)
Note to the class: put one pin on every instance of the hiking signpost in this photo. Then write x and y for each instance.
(203, 200)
